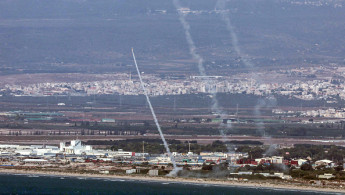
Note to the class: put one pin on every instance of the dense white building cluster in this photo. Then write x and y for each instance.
(307, 90)
(326, 112)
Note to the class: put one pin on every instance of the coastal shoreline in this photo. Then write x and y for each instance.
(248, 184)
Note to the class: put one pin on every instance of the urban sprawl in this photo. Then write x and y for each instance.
(300, 83)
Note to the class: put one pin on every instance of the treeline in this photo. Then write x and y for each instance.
(245, 142)
(155, 146)
(253, 152)
(315, 152)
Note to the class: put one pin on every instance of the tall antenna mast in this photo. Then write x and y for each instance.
(237, 112)
(143, 146)
(143, 150)
(189, 146)
(174, 104)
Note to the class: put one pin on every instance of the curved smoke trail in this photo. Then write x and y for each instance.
(175, 170)
(202, 72)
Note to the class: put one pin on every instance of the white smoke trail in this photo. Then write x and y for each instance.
(190, 41)
(260, 125)
(196, 56)
(175, 170)
(220, 6)
(234, 39)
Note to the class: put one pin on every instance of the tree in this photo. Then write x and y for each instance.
(218, 146)
(207, 167)
(259, 168)
(146, 124)
(338, 168)
(255, 152)
(306, 167)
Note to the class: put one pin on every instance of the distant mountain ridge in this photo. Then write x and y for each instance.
(77, 36)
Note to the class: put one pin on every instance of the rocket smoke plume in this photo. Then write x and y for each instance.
(226, 18)
(175, 170)
(196, 56)
(190, 41)
(220, 6)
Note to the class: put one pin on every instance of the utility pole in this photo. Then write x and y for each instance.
(143, 150)
(237, 112)
(143, 147)
(174, 104)
(188, 146)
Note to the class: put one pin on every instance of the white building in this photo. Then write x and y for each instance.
(76, 148)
